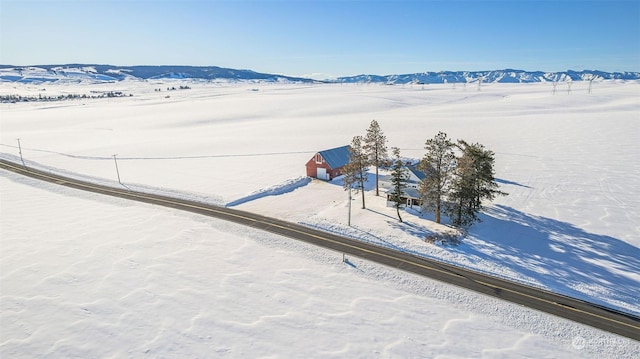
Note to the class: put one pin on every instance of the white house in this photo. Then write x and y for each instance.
(410, 192)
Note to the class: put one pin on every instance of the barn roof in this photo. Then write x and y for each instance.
(336, 157)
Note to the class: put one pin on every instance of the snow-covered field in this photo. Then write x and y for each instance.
(82, 275)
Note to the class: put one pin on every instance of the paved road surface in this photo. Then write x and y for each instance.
(570, 308)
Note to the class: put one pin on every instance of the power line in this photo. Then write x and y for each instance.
(84, 157)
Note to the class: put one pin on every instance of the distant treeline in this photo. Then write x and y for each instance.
(42, 98)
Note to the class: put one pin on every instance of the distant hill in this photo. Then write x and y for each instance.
(110, 73)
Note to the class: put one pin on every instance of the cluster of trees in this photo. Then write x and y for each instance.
(368, 150)
(40, 97)
(173, 88)
(459, 176)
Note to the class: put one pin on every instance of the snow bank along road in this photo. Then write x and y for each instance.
(579, 311)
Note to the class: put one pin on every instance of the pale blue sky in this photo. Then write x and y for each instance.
(330, 37)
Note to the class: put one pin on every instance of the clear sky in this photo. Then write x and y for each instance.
(336, 38)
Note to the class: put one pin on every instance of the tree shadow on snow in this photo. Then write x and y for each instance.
(369, 185)
(411, 229)
(561, 256)
(381, 214)
(503, 181)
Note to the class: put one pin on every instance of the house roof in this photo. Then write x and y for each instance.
(407, 192)
(336, 157)
(414, 168)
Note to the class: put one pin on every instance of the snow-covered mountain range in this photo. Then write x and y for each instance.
(502, 76)
(110, 73)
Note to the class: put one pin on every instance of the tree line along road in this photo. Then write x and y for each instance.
(580, 311)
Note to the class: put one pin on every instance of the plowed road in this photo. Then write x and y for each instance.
(559, 305)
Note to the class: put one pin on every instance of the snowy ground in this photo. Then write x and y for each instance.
(179, 284)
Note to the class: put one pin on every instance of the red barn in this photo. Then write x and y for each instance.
(327, 164)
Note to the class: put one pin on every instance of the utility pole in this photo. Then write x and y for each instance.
(349, 218)
(20, 152)
(117, 171)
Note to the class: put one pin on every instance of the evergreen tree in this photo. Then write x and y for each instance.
(375, 147)
(399, 177)
(438, 166)
(474, 182)
(461, 198)
(355, 172)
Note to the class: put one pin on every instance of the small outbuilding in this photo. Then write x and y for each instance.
(327, 165)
